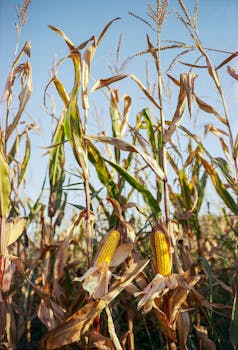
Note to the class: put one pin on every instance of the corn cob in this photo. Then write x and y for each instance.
(162, 253)
(108, 249)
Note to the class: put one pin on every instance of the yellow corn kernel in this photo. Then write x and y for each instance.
(162, 253)
(108, 249)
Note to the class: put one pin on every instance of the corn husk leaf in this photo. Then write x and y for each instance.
(76, 325)
(122, 252)
(14, 229)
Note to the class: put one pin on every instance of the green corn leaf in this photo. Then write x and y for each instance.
(185, 189)
(56, 169)
(201, 190)
(61, 91)
(14, 149)
(36, 207)
(116, 121)
(220, 187)
(25, 160)
(129, 147)
(103, 173)
(77, 141)
(5, 186)
(150, 132)
(139, 187)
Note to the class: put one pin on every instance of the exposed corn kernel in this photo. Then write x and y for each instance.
(162, 253)
(108, 249)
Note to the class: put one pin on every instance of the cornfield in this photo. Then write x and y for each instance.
(118, 251)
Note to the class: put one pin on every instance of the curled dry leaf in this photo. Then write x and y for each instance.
(105, 82)
(207, 344)
(183, 327)
(75, 326)
(96, 340)
(209, 109)
(231, 71)
(182, 98)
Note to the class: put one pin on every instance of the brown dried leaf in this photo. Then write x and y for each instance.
(126, 112)
(112, 331)
(66, 39)
(210, 67)
(188, 81)
(183, 327)
(146, 92)
(176, 299)
(231, 71)
(175, 81)
(209, 109)
(79, 322)
(228, 59)
(105, 82)
(179, 110)
(23, 99)
(207, 344)
(96, 340)
(164, 322)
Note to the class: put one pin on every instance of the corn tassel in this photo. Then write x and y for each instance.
(108, 249)
(162, 253)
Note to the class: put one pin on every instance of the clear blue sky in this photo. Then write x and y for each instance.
(81, 19)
